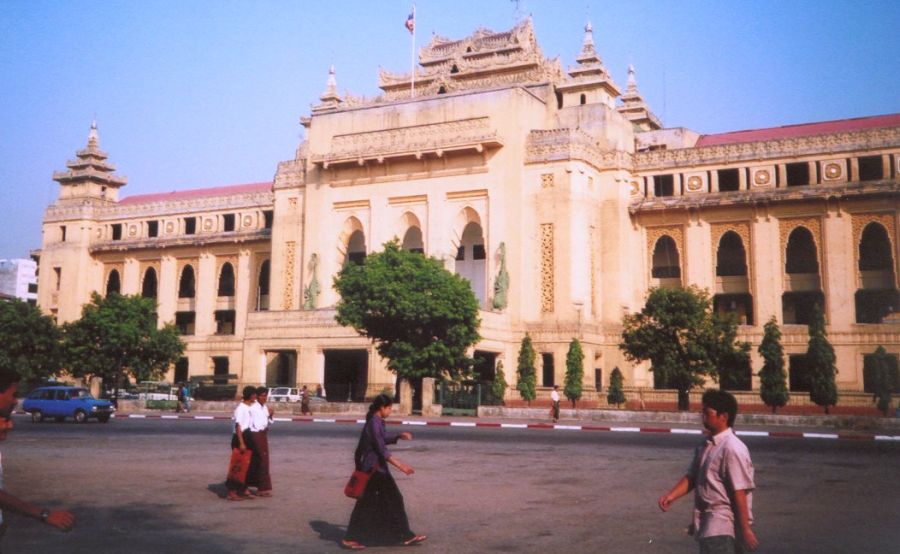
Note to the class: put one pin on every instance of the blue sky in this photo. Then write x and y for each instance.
(198, 93)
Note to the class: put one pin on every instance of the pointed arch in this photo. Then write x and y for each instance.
(471, 251)
(226, 280)
(666, 261)
(731, 256)
(801, 254)
(187, 283)
(149, 283)
(113, 283)
(412, 236)
(262, 286)
(875, 250)
(877, 296)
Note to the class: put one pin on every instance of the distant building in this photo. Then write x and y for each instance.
(495, 157)
(18, 279)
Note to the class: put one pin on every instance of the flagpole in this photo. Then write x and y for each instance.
(412, 85)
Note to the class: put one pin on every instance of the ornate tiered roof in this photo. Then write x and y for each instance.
(635, 108)
(90, 165)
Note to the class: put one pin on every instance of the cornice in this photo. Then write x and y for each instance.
(556, 145)
(182, 240)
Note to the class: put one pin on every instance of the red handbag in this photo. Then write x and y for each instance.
(356, 485)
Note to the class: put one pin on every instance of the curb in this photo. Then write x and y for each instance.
(541, 426)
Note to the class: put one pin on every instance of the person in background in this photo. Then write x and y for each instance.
(379, 516)
(721, 476)
(554, 398)
(261, 416)
(9, 384)
(241, 453)
(320, 392)
(186, 397)
(304, 401)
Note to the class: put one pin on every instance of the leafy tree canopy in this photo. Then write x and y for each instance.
(117, 336)
(682, 338)
(616, 393)
(421, 317)
(31, 341)
(820, 357)
(773, 387)
(881, 367)
(574, 372)
(525, 372)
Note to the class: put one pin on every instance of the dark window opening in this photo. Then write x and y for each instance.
(798, 373)
(797, 307)
(740, 306)
(801, 252)
(442, 90)
(484, 366)
(346, 375)
(181, 370)
(220, 370)
(117, 231)
(870, 168)
(149, 286)
(461, 253)
(478, 252)
(729, 180)
(559, 100)
(875, 250)
(185, 322)
(874, 305)
(598, 379)
(62, 233)
(153, 229)
(548, 374)
(417, 250)
(32, 288)
(870, 375)
(731, 258)
(797, 174)
(268, 218)
(583, 99)
(264, 278)
(665, 259)
(225, 322)
(187, 283)
(454, 69)
(228, 222)
(190, 225)
(58, 274)
(663, 185)
(358, 258)
(113, 283)
(226, 280)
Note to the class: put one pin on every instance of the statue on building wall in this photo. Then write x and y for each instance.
(311, 292)
(501, 282)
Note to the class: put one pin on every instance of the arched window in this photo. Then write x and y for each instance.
(730, 257)
(801, 255)
(226, 280)
(356, 248)
(186, 285)
(875, 249)
(148, 287)
(470, 259)
(412, 240)
(583, 99)
(665, 259)
(262, 300)
(113, 283)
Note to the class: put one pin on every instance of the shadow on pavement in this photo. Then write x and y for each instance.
(328, 531)
(219, 489)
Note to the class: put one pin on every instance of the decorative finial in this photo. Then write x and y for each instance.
(93, 136)
(632, 83)
(588, 36)
(332, 81)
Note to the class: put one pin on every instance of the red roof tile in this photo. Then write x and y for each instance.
(802, 130)
(196, 193)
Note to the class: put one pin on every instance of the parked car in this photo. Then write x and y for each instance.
(156, 390)
(60, 402)
(284, 394)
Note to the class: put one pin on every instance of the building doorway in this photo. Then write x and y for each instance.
(281, 368)
(346, 375)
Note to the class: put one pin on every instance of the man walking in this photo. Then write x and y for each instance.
(721, 476)
(9, 383)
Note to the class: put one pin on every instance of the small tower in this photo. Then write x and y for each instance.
(330, 98)
(589, 82)
(635, 109)
(89, 174)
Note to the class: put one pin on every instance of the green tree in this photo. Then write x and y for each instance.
(616, 394)
(574, 372)
(682, 338)
(881, 369)
(525, 372)
(117, 337)
(820, 357)
(499, 386)
(421, 317)
(773, 387)
(31, 341)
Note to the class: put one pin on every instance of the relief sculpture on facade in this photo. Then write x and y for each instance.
(312, 291)
(501, 283)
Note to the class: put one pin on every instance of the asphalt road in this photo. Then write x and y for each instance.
(147, 486)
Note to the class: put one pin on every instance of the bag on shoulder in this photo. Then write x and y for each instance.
(356, 485)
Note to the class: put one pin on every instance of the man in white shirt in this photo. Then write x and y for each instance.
(240, 448)
(261, 415)
(554, 398)
(9, 384)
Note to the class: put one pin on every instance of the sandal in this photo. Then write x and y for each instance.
(234, 497)
(352, 545)
(264, 494)
(414, 540)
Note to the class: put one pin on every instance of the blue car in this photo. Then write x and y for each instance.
(60, 402)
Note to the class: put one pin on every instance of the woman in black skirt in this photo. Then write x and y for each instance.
(379, 517)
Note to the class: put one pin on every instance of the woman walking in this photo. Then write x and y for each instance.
(379, 517)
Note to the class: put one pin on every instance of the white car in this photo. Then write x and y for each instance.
(284, 394)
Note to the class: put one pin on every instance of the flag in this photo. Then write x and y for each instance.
(411, 22)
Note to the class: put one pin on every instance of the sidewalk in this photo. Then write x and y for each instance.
(807, 427)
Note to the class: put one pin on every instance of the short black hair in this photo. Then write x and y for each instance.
(723, 402)
(261, 391)
(249, 392)
(8, 377)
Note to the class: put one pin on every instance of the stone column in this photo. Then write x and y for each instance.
(167, 295)
(406, 394)
(207, 289)
(428, 396)
(243, 293)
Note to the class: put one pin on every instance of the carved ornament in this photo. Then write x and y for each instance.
(742, 228)
(674, 232)
(565, 144)
(289, 260)
(859, 223)
(547, 268)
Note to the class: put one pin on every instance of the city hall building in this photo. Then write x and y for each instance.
(557, 193)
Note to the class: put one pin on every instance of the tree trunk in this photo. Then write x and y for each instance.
(684, 401)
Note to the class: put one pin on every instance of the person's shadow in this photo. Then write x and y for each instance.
(328, 531)
(219, 489)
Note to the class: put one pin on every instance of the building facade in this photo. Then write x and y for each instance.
(561, 198)
(18, 279)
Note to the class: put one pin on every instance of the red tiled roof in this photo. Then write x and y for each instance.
(802, 130)
(196, 193)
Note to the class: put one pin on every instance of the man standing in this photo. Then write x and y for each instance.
(261, 416)
(721, 476)
(57, 518)
(554, 398)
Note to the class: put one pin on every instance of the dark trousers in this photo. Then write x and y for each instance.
(258, 475)
(720, 544)
(379, 517)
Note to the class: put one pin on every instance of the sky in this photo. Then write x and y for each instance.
(201, 93)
